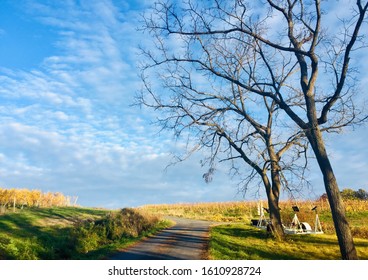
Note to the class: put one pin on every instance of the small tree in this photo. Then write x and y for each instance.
(361, 194)
(347, 194)
(291, 49)
(351, 194)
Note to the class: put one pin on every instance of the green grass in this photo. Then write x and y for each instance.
(240, 241)
(72, 233)
(244, 242)
(60, 233)
(41, 233)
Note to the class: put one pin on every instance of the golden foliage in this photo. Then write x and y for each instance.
(31, 198)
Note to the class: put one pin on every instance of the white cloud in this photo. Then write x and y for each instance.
(81, 166)
(68, 125)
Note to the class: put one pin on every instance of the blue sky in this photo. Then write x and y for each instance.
(68, 76)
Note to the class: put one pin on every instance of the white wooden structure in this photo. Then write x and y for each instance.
(296, 227)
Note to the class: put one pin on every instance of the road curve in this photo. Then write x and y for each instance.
(186, 240)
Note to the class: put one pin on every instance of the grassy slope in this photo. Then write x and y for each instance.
(40, 233)
(239, 242)
(46, 233)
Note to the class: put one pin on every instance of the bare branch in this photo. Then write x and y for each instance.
(344, 69)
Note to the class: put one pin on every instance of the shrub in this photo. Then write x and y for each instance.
(126, 223)
(87, 237)
(19, 250)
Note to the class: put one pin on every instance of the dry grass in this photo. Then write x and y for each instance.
(214, 211)
(356, 210)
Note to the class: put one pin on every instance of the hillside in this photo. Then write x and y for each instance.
(71, 232)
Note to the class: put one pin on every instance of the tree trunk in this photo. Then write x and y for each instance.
(343, 232)
(274, 192)
(273, 205)
(275, 217)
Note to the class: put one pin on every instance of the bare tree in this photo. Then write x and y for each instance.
(220, 118)
(275, 51)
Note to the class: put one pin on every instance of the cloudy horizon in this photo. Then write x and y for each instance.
(68, 76)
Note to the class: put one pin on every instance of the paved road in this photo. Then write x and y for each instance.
(186, 240)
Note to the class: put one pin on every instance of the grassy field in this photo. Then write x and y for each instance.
(239, 240)
(81, 233)
(244, 242)
(71, 233)
(243, 212)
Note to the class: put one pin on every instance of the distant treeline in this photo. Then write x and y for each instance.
(19, 198)
(349, 194)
